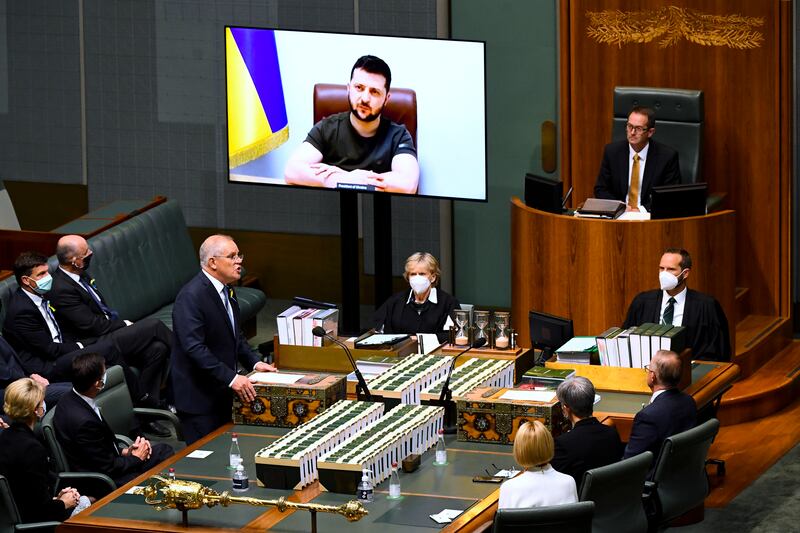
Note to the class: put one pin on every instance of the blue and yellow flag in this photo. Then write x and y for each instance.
(257, 121)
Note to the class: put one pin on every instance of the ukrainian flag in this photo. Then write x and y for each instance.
(257, 121)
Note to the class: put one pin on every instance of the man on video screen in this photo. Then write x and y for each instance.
(359, 149)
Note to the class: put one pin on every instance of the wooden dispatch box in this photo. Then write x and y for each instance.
(289, 405)
(332, 358)
(484, 417)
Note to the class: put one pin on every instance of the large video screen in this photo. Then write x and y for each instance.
(296, 117)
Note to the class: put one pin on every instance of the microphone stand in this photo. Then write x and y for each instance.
(362, 383)
(446, 395)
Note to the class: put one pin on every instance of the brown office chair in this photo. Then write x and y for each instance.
(330, 98)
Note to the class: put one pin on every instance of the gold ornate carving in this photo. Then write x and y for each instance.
(670, 24)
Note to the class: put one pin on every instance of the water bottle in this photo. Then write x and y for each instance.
(171, 474)
(394, 483)
(240, 481)
(441, 451)
(235, 455)
(364, 492)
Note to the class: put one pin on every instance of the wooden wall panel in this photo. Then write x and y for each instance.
(747, 117)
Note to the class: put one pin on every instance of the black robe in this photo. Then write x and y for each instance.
(706, 326)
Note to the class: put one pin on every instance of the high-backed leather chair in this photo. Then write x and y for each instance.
(330, 98)
(680, 482)
(679, 121)
(616, 491)
(567, 518)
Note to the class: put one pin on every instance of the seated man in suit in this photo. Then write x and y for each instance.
(589, 444)
(359, 149)
(87, 440)
(31, 329)
(633, 166)
(209, 342)
(702, 315)
(81, 311)
(670, 411)
(11, 370)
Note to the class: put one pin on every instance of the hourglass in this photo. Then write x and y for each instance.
(462, 323)
(481, 325)
(502, 320)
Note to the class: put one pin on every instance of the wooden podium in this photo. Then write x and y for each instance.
(589, 270)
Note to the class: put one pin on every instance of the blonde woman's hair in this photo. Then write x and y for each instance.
(430, 262)
(533, 445)
(22, 398)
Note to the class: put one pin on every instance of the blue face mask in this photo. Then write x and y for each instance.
(43, 284)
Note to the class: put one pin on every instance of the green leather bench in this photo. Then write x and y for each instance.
(140, 265)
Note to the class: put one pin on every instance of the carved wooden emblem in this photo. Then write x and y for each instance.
(670, 24)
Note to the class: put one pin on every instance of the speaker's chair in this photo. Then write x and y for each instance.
(679, 121)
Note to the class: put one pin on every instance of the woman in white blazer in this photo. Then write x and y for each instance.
(539, 484)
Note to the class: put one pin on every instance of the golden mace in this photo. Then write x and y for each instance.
(186, 495)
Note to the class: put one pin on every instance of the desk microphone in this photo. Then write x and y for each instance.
(447, 394)
(319, 331)
(566, 197)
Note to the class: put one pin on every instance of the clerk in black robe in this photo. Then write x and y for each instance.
(706, 326)
(422, 309)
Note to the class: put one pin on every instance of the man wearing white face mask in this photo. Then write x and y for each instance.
(423, 309)
(676, 304)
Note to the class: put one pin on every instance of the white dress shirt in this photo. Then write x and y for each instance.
(678, 307)
(48, 318)
(538, 487)
(91, 402)
(642, 161)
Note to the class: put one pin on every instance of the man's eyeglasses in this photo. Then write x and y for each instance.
(232, 257)
(647, 368)
(637, 129)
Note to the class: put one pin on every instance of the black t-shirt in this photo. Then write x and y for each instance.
(342, 146)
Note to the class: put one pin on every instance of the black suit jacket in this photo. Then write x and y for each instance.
(88, 442)
(77, 312)
(706, 325)
(206, 350)
(10, 365)
(672, 412)
(27, 332)
(661, 168)
(23, 460)
(588, 445)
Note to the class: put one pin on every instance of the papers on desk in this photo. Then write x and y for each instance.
(544, 396)
(132, 489)
(428, 342)
(445, 516)
(634, 215)
(276, 378)
(199, 454)
(381, 339)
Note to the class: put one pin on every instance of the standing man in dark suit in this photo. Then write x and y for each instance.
(632, 167)
(705, 322)
(31, 329)
(589, 444)
(81, 311)
(88, 441)
(670, 411)
(209, 342)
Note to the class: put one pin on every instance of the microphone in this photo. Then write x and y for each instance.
(319, 331)
(447, 394)
(566, 197)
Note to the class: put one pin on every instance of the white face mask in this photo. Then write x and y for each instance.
(668, 280)
(419, 284)
(103, 381)
(44, 408)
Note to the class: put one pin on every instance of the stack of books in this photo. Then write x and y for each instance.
(577, 351)
(634, 347)
(295, 325)
(543, 378)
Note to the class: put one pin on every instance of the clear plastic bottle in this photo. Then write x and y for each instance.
(235, 454)
(441, 451)
(394, 483)
(364, 492)
(171, 474)
(240, 481)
